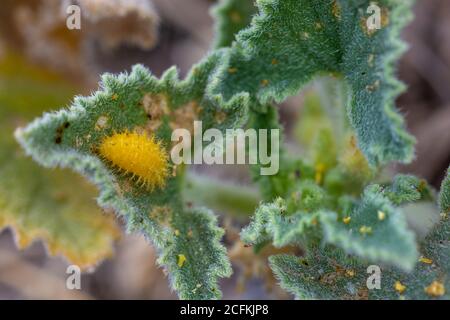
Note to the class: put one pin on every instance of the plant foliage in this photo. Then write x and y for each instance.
(332, 202)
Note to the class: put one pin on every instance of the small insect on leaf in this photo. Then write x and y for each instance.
(140, 155)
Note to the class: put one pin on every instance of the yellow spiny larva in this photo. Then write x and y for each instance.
(139, 155)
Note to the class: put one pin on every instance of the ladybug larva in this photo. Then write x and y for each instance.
(139, 155)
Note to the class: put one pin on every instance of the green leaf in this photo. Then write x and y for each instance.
(374, 230)
(231, 16)
(329, 273)
(431, 272)
(36, 203)
(273, 222)
(444, 196)
(234, 200)
(271, 186)
(197, 239)
(139, 103)
(291, 41)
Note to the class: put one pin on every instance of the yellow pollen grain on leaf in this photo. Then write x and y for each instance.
(336, 10)
(264, 82)
(232, 70)
(177, 232)
(350, 273)
(139, 155)
(425, 260)
(347, 220)
(274, 61)
(235, 17)
(435, 289)
(381, 215)
(114, 97)
(365, 230)
(399, 287)
(181, 260)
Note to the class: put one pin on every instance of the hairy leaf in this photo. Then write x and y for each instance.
(272, 222)
(374, 230)
(291, 41)
(329, 273)
(231, 16)
(197, 239)
(139, 103)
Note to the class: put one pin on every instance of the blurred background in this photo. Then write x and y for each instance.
(43, 65)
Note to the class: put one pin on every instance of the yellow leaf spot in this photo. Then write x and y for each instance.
(139, 155)
(381, 215)
(399, 287)
(435, 289)
(425, 260)
(114, 97)
(177, 232)
(235, 16)
(365, 230)
(274, 61)
(181, 260)
(350, 273)
(347, 220)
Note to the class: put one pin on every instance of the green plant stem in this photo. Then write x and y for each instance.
(225, 197)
